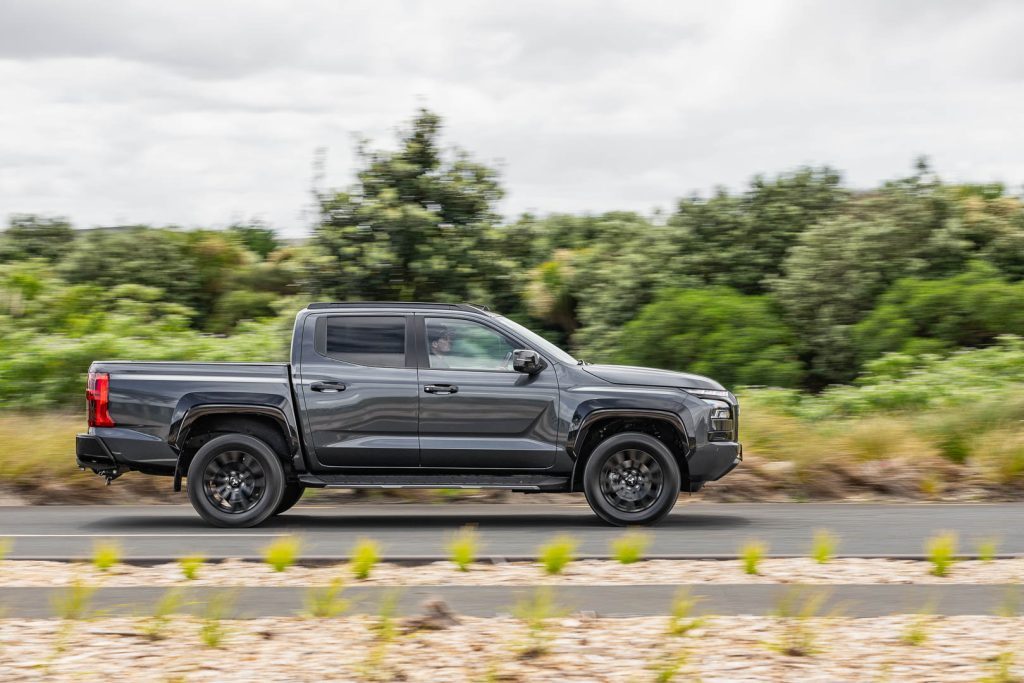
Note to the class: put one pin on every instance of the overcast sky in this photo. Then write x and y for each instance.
(200, 112)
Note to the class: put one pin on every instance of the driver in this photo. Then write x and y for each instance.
(440, 339)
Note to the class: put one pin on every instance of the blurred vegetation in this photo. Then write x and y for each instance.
(877, 322)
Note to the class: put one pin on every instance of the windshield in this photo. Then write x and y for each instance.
(541, 344)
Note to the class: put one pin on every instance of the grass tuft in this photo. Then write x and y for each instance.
(630, 546)
(105, 554)
(535, 612)
(326, 602)
(988, 549)
(74, 602)
(5, 548)
(751, 554)
(823, 548)
(190, 566)
(557, 553)
(282, 553)
(155, 626)
(463, 547)
(941, 552)
(365, 556)
(680, 621)
(212, 630)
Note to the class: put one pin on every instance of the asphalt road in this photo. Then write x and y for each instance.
(487, 601)
(508, 530)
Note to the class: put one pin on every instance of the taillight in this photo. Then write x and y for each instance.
(97, 395)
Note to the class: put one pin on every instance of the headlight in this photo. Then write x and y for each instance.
(719, 393)
(719, 409)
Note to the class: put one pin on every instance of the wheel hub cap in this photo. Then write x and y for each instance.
(234, 481)
(631, 480)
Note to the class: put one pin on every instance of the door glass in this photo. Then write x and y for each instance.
(466, 345)
(377, 341)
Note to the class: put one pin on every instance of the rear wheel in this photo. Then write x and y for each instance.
(235, 480)
(292, 493)
(631, 478)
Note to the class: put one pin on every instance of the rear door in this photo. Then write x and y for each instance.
(360, 390)
(476, 412)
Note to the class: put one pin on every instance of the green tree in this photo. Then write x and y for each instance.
(740, 240)
(735, 338)
(256, 237)
(838, 267)
(28, 236)
(160, 258)
(417, 224)
(917, 315)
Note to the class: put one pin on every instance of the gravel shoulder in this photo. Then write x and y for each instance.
(578, 648)
(26, 573)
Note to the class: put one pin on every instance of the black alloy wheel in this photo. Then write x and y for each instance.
(235, 480)
(631, 478)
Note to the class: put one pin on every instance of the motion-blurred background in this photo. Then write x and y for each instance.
(818, 205)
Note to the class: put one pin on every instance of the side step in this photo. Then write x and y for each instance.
(511, 482)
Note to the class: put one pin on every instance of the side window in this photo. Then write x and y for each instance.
(466, 345)
(378, 341)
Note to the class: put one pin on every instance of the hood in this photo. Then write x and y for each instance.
(649, 377)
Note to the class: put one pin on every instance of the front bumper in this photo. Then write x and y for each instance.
(712, 461)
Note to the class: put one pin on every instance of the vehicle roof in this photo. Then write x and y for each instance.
(320, 305)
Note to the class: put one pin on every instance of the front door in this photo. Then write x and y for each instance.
(476, 412)
(360, 391)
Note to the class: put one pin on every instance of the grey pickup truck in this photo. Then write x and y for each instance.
(410, 395)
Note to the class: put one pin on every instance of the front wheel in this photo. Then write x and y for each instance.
(235, 480)
(631, 478)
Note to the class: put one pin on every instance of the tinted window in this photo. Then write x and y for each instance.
(367, 340)
(466, 345)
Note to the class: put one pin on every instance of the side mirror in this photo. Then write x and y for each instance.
(528, 361)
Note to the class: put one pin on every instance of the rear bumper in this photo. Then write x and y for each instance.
(91, 453)
(712, 461)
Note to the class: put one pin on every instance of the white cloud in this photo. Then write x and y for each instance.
(206, 112)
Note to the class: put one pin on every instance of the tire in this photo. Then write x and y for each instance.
(292, 493)
(631, 478)
(235, 480)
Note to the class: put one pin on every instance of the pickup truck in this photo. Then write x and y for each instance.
(410, 395)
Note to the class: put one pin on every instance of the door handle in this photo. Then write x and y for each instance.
(327, 387)
(441, 389)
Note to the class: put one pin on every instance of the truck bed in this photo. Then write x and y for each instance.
(150, 400)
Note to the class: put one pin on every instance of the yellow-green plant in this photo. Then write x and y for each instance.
(105, 554)
(751, 554)
(681, 621)
(5, 547)
(74, 602)
(190, 566)
(557, 553)
(384, 631)
(668, 667)
(463, 547)
(1002, 669)
(325, 602)
(988, 549)
(155, 626)
(282, 552)
(794, 612)
(365, 556)
(823, 548)
(630, 546)
(916, 632)
(941, 551)
(212, 630)
(535, 612)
